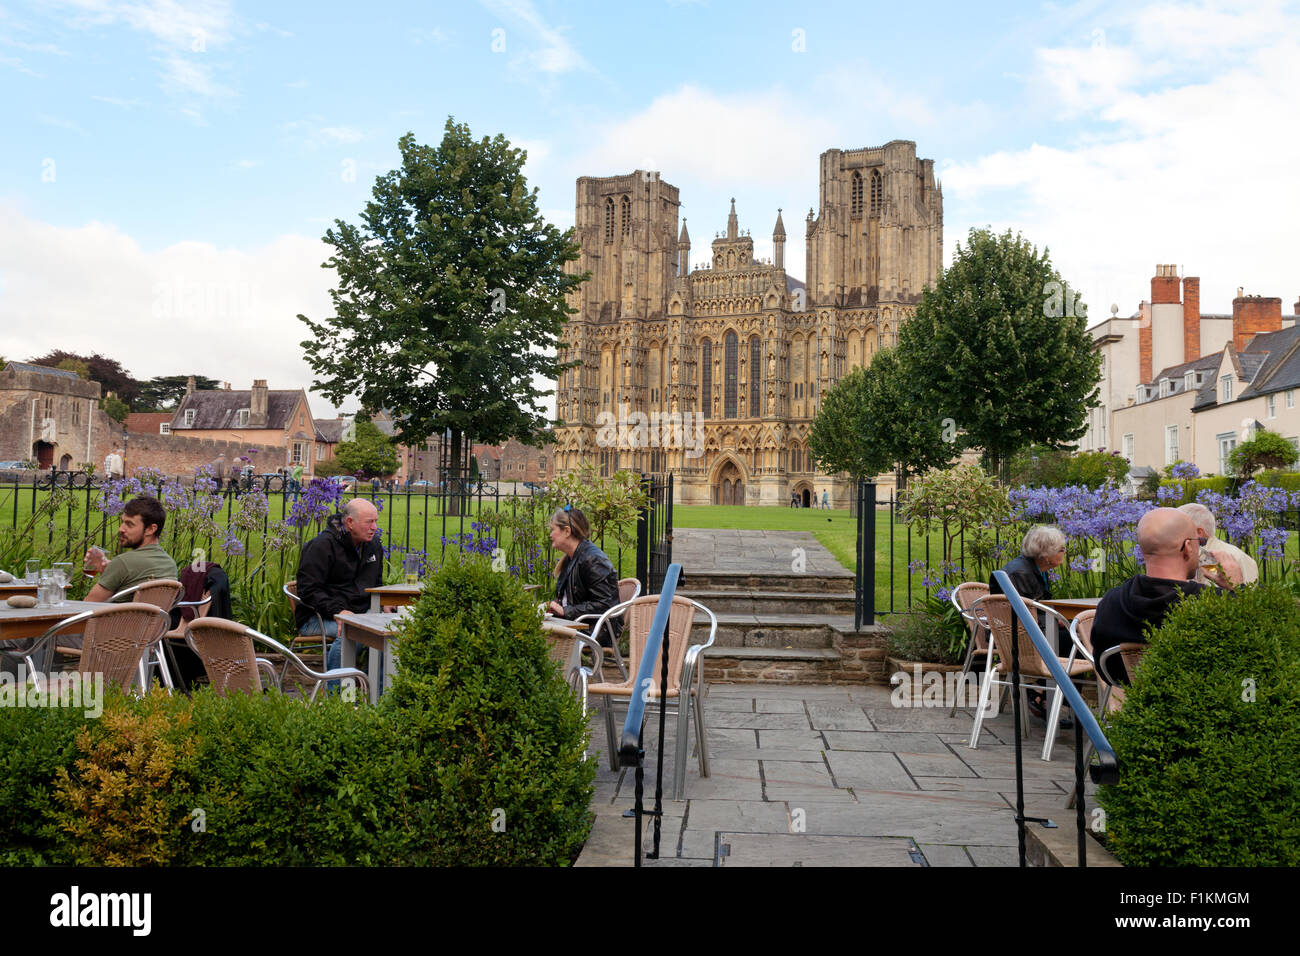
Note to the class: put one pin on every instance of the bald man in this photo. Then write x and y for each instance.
(336, 568)
(1203, 518)
(1171, 554)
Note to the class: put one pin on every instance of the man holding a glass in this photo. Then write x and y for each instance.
(141, 559)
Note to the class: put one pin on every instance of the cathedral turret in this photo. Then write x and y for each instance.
(733, 224)
(684, 252)
(778, 242)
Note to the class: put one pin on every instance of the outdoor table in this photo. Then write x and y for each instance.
(373, 630)
(1069, 608)
(15, 588)
(551, 621)
(401, 595)
(17, 623)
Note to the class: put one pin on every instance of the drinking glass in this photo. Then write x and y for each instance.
(62, 575)
(33, 571)
(45, 588)
(411, 567)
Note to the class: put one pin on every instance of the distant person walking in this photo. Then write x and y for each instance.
(826, 500)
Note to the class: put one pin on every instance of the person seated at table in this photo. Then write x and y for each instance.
(1203, 518)
(1042, 550)
(334, 571)
(585, 579)
(141, 557)
(1171, 556)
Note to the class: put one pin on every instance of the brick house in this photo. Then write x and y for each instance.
(276, 422)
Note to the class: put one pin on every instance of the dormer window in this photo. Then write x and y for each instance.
(189, 417)
(1164, 388)
(1225, 388)
(241, 418)
(1189, 381)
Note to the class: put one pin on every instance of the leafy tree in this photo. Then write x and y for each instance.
(370, 453)
(1000, 345)
(164, 392)
(450, 297)
(114, 408)
(107, 372)
(1266, 450)
(1044, 466)
(956, 501)
(76, 366)
(870, 420)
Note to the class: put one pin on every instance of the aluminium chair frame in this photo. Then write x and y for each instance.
(320, 677)
(686, 691)
(46, 643)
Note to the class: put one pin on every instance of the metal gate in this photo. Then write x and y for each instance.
(654, 533)
(864, 582)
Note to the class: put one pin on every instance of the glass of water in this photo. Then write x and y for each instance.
(33, 573)
(62, 575)
(45, 588)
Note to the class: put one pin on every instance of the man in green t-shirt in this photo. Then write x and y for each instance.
(142, 557)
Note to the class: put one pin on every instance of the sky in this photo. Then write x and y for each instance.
(168, 168)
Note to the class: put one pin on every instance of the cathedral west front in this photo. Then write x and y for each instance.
(715, 372)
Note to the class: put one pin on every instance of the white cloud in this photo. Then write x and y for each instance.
(341, 134)
(228, 314)
(1176, 163)
(16, 63)
(547, 50)
(309, 133)
(116, 101)
(247, 163)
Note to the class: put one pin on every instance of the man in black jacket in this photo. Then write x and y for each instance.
(1171, 554)
(336, 568)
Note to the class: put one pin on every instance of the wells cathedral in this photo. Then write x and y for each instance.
(737, 348)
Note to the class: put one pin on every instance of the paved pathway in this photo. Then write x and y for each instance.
(701, 550)
(834, 776)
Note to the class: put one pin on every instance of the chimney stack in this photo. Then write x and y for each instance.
(189, 386)
(1191, 318)
(257, 406)
(1164, 285)
(1253, 315)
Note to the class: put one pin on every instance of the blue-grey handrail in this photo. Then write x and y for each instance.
(1107, 768)
(629, 744)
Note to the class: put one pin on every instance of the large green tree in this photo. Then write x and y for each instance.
(1000, 346)
(106, 371)
(870, 421)
(370, 454)
(450, 297)
(164, 392)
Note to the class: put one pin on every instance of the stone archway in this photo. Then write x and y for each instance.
(43, 452)
(729, 484)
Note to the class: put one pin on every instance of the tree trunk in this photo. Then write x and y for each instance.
(455, 484)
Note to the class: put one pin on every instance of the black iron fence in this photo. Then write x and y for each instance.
(654, 533)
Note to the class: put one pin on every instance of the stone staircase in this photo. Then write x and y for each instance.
(785, 627)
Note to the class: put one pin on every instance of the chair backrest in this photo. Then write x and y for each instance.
(161, 593)
(639, 615)
(291, 592)
(116, 638)
(227, 654)
(563, 647)
(964, 597)
(997, 611)
(1081, 627)
(629, 589)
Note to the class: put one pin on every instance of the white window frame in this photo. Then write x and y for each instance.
(1225, 388)
(1164, 388)
(241, 417)
(1127, 446)
(1271, 401)
(164, 428)
(1171, 444)
(1295, 443)
(1230, 438)
(1290, 398)
(190, 414)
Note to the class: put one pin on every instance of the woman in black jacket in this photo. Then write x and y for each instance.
(586, 581)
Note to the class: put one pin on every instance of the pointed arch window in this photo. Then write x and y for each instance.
(755, 378)
(627, 216)
(706, 380)
(856, 194)
(609, 220)
(877, 192)
(730, 372)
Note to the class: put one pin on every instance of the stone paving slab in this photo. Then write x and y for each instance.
(749, 550)
(779, 765)
(784, 849)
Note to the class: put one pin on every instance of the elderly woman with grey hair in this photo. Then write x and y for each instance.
(1042, 550)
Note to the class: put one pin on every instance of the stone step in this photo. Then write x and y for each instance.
(766, 581)
(763, 603)
(799, 665)
(773, 630)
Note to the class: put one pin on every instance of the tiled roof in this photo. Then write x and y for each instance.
(1276, 360)
(43, 369)
(217, 409)
(141, 423)
(329, 429)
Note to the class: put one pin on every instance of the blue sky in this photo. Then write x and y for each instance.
(167, 168)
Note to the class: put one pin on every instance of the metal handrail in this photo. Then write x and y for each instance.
(629, 745)
(1105, 771)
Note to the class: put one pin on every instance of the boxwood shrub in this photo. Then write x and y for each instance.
(1208, 739)
(475, 757)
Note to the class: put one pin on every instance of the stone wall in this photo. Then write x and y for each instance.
(180, 455)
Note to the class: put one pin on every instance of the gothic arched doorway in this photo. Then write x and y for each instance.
(729, 486)
(43, 452)
(65, 463)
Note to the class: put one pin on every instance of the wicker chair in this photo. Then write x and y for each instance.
(161, 593)
(685, 675)
(226, 649)
(565, 647)
(996, 609)
(291, 592)
(963, 598)
(116, 642)
(629, 589)
(1131, 653)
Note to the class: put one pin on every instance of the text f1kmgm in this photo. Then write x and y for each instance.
(78, 909)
